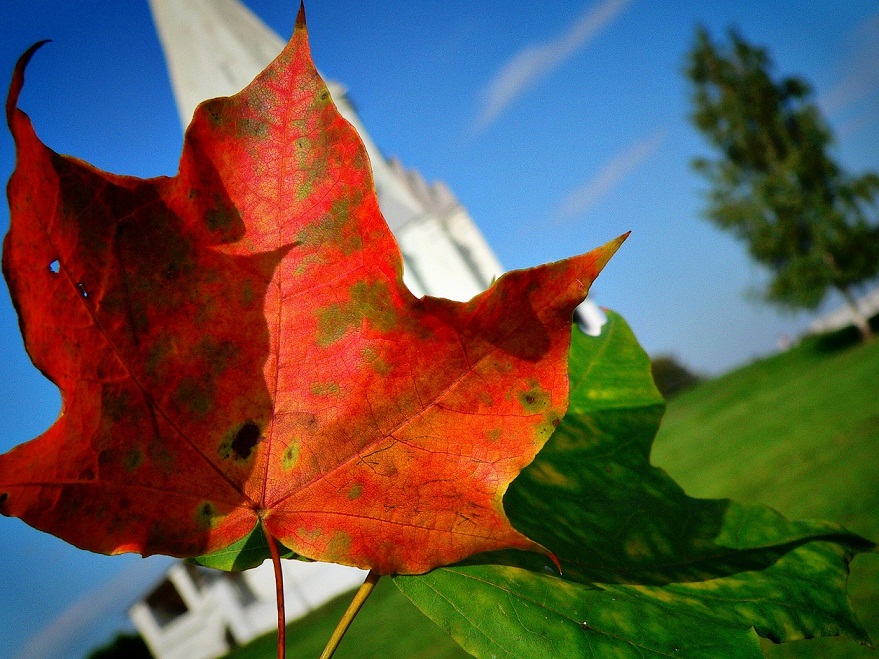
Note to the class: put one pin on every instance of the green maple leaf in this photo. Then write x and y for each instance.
(647, 570)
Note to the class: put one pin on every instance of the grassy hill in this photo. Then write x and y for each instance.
(798, 431)
(388, 626)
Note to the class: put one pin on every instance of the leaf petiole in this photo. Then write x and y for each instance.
(279, 591)
(360, 596)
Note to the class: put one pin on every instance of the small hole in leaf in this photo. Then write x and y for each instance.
(81, 287)
(54, 267)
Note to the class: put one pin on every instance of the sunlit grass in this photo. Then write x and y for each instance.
(800, 432)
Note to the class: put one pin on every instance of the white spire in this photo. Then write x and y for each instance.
(212, 48)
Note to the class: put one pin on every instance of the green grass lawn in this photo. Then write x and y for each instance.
(388, 626)
(798, 431)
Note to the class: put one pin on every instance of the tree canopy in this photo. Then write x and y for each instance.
(774, 182)
(671, 376)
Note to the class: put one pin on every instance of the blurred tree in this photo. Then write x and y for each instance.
(774, 184)
(671, 377)
(123, 646)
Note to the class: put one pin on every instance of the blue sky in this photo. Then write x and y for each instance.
(558, 128)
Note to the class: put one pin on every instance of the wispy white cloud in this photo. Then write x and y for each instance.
(536, 61)
(861, 66)
(581, 200)
(107, 601)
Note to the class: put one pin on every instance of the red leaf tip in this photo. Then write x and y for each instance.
(610, 248)
(18, 79)
(555, 560)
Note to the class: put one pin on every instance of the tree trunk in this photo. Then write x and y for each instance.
(860, 320)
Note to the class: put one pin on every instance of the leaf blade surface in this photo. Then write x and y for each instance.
(235, 348)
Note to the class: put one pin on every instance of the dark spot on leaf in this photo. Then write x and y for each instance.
(206, 515)
(246, 438)
(54, 267)
(290, 456)
(4, 497)
(535, 399)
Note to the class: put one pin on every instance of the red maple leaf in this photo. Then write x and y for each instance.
(234, 346)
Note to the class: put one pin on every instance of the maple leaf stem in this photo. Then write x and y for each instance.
(360, 596)
(279, 591)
